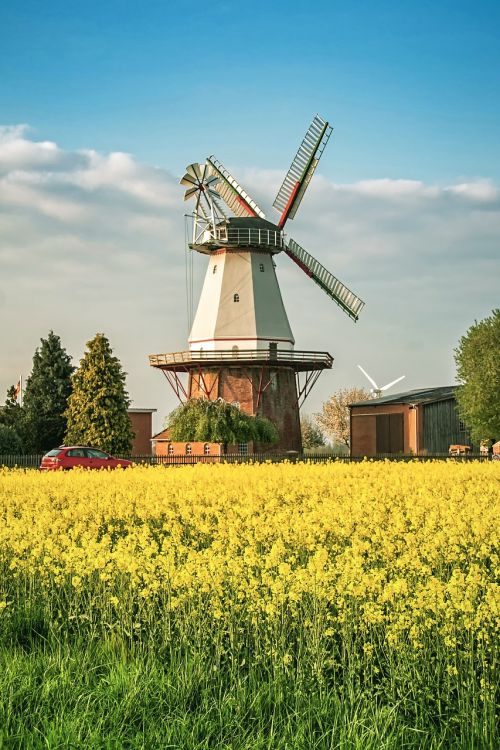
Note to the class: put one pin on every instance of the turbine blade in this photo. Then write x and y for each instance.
(369, 378)
(385, 387)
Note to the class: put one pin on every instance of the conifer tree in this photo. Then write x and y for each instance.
(97, 408)
(48, 387)
(10, 413)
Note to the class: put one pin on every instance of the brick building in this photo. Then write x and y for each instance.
(423, 421)
(142, 425)
(162, 445)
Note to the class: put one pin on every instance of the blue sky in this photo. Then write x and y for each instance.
(408, 85)
(104, 103)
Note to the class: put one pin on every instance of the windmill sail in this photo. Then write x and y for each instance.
(201, 185)
(302, 169)
(232, 193)
(347, 300)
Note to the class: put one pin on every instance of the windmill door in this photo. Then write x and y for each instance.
(390, 433)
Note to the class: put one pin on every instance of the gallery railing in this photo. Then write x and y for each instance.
(230, 355)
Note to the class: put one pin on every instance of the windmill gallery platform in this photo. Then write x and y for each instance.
(241, 346)
(272, 383)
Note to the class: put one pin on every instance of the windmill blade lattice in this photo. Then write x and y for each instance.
(347, 300)
(231, 192)
(302, 169)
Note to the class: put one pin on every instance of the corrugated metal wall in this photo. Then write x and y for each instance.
(441, 427)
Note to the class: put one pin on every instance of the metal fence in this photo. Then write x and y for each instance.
(33, 461)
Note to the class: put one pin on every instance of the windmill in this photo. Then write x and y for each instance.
(376, 391)
(241, 346)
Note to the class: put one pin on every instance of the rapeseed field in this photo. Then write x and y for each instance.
(253, 606)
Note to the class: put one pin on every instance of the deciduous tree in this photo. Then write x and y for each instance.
(97, 408)
(334, 417)
(45, 398)
(312, 437)
(478, 371)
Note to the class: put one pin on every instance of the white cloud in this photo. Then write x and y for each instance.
(18, 152)
(92, 242)
(391, 189)
(481, 190)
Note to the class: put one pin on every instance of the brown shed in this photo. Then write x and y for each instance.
(423, 421)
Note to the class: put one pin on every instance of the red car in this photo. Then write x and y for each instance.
(66, 457)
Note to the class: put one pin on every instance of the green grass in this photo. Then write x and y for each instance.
(69, 691)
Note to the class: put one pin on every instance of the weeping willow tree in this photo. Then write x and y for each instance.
(201, 420)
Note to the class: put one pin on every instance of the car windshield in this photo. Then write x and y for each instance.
(55, 452)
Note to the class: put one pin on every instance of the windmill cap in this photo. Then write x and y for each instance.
(252, 222)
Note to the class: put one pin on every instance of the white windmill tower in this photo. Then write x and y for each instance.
(241, 347)
(377, 391)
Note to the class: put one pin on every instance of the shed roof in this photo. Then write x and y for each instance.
(416, 396)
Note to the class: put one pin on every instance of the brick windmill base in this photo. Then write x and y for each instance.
(273, 384)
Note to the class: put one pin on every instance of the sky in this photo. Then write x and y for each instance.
(102, 105)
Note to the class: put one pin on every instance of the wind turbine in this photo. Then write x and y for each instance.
(376, 391)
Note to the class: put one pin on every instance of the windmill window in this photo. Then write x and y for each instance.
(214, 269)
(261, 267)
(461, 426)
(170, 449)
(243, 449)
(236, 298)
(189, 450)
(206, 449)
